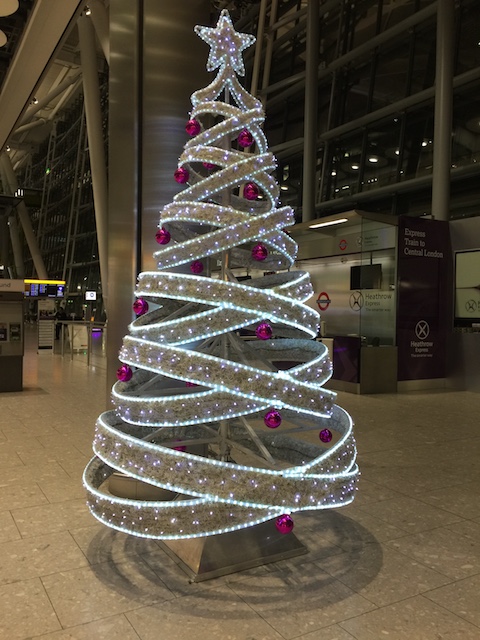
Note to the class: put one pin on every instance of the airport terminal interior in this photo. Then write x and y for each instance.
(372, 112)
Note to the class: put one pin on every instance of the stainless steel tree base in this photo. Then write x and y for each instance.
(220, 555)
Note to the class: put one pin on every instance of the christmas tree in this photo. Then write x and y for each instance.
(222, 424)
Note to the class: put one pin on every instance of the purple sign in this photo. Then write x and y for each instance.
(424, 298)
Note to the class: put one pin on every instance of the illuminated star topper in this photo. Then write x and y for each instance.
(226, 44)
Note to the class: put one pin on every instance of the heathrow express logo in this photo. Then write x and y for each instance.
(471, 306)
(356, 300)
(422, 330)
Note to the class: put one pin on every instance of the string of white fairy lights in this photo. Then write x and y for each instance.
(177, 310)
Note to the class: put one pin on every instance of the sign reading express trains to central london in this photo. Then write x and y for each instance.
(415, 244)
(422, 310)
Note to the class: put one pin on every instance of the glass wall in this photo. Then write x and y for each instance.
(376, 98)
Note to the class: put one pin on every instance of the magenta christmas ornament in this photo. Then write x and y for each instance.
(272, 419)
(124, 373)
(162, 236)
(140, 306)
(325, 435)
(245, 138)
(259, 252)
(284, 523)
(264, 331)
(181, 175)
(196, 267)
(250, 191)
(193, 127)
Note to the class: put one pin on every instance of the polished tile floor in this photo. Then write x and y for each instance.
(401, 563)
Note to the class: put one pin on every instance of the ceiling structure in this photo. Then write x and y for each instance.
(39, 69)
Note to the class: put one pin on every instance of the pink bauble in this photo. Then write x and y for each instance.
(124, 373)
(193, 127)
(284, 523)
(250, 191)
(264, 331)
(209, 166)
(272, 419)
(245, 138)
(181, 175)
(162, 236)
(196, 267)
(259, 252)
(325, 435)
(140, 306)
(180, 447)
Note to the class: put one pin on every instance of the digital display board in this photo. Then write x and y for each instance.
(44, 289)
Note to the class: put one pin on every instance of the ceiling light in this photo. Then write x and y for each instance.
(88, 11)
(328, 224)
(355, 166)
(373, 159)
(397, 152)
(284, 187)
(334, 173)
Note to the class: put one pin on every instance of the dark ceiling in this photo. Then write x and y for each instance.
(13, 26)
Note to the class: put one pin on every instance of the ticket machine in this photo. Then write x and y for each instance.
(11, 340)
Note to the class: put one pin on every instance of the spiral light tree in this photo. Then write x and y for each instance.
(223, 425)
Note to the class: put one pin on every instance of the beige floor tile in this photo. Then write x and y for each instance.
(21, 496)
(39, 556)
(25, 611)
(217, 613)
(28, 475)
(300, 600)
(463, 499)
(413, 619)
(410, 515)
(51, 518)
(8, 529)
(467, 528)
(330, 633)
(461, 597)
(114, 628)
(10, 459)
(84, 595)
(61, 491)
(445, 551)
(382, 575)
(101, 544)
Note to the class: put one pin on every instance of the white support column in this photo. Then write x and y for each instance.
(99, 18)
(93, 115)
(16, 247)
(442, 134)
(12, 184)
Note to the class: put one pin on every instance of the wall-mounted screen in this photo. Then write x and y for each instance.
(467, 288)
(366, 276)
(42, 290)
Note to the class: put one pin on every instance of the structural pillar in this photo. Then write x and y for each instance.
(310, 113)
(442, 135)
(16, 247)
(156, 63)
(12, 184)
(93, 116)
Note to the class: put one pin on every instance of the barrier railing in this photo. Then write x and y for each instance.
(76, 336)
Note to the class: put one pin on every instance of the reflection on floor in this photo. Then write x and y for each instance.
(402, 562)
